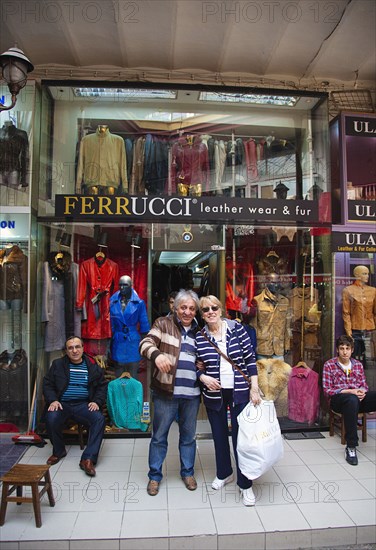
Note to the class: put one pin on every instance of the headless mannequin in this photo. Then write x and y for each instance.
(270, 321)
(359, 311)
(102, 163)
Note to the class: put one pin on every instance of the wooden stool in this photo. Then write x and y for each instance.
(26, 475)
(336, 420)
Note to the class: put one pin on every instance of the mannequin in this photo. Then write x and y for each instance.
(96, 282)
(59, 287)
(359, 310)
(128, 317)
(102, 163)
(13, 278)
(270, 321)
(190, 166)
(14, 156)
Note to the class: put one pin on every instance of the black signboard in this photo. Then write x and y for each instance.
(362, 211)
(174, 209)
(360, 126)
(353, 241)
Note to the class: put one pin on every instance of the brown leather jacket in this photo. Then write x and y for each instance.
(271, 323)
(359, 307)
(13, 275)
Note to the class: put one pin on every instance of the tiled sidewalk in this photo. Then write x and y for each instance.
(310, 499)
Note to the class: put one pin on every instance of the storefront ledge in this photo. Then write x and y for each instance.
(281, 540)
(332, 536)
(144, 544)
(239, 542)
(366, 534)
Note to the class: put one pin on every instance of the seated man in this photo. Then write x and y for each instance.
(75, 387)
(344, 383)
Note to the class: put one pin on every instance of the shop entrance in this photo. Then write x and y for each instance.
(173, 271)
(184, 256)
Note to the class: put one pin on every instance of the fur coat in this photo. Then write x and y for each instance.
(273, 377)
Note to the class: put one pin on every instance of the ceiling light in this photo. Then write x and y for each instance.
(124, 93)
(258, 99)
(15, 66)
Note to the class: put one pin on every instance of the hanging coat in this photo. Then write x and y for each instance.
(125, 326)
(96, 280)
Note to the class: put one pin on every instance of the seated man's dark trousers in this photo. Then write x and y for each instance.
(79, 412)
(349, 406)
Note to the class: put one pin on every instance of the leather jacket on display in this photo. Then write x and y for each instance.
(359, 307)
(13, 275)
(271, 323)
(96, 283)
(14, 152)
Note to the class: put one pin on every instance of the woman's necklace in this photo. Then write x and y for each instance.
(216, 331)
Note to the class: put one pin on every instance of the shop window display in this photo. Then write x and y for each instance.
(272, 159)
(13, 356)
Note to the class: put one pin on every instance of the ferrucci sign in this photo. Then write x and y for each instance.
(174, 209)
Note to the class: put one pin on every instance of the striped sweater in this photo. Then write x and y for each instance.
(240, 350)
(169, 337)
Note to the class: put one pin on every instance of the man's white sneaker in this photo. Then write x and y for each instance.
(249, 498)
(219, 483)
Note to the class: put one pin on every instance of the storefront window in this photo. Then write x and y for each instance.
(170, 188)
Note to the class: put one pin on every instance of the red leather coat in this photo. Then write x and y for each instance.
(95, 279)
(190, 163)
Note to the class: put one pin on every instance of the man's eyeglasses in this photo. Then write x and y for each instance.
(206, 309)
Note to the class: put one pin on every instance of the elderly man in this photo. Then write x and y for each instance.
(75, 387)
(170, 346)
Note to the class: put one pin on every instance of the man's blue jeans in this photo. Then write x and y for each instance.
(79, 412)
(165, 411)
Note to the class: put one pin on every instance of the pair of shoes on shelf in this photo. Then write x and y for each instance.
(351, 456)
(219, 483)
(190, 483)
(88, 467)
(53, 459)
(248, 495)
(153, 487)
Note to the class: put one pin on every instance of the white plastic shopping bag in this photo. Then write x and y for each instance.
(260, 443)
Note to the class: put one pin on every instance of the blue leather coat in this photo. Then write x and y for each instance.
(126, 327)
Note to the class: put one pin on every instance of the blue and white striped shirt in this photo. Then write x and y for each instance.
(186, 384)
(240, 350)
(78, 386)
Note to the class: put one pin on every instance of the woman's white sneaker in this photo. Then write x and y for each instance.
(249, 498)
(219, 483)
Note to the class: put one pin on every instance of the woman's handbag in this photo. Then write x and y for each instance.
(260, 443)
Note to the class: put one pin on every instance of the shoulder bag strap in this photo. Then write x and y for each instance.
(225, 356)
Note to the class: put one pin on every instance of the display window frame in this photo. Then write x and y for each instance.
(212, 226)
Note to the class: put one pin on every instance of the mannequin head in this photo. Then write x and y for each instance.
(361, 273)
(125, 286)
(272, 283)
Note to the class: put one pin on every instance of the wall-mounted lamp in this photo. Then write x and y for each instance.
(136, 241)
(15, 66)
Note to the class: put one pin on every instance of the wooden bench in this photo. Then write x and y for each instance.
(26, 475)
(336, 420)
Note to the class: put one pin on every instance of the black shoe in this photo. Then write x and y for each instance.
(350, 455)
